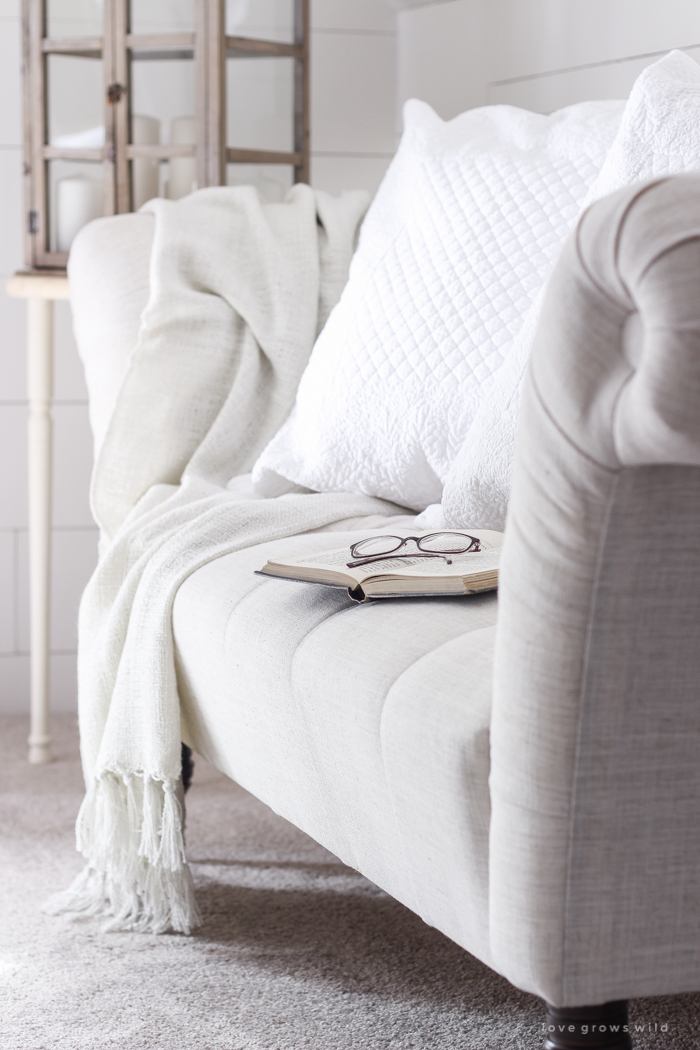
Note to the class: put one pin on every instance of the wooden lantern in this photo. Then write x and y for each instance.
(123, 154)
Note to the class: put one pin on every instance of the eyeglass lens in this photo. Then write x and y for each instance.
(376, 545)
(445, 542)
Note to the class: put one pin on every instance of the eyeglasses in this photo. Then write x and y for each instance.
(434, 545)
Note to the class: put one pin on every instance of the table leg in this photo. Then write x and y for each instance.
(40, 386)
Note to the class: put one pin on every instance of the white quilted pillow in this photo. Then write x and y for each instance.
(660, 128)
(659, 134)
(457, 243)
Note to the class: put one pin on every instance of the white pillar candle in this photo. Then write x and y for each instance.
(183, 170)
(78, 201)
(145, 131)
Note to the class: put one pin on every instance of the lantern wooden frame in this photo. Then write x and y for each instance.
(209, 47)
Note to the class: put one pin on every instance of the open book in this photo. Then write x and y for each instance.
(398, 577)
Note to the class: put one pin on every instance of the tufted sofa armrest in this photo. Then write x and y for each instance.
(595, 776)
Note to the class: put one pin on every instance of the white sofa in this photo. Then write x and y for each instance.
(523, 772)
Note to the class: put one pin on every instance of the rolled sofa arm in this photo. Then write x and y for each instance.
(595, 776)
(108, 271)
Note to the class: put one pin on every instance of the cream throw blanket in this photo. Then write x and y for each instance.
(239, 291)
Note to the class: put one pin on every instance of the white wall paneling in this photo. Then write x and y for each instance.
(462, 53)
(7, 592)
(13, 466)
(74, 555)
(10, 57)
(337, 173)
(14, 683)
(72, 466)
(69, 377)
(443, 55)
(13, 340)
(73, 558)
(545, 93)
(403, 5)
(533, 36)
(11, 203)
(354, 129)
(365, 16)
(353, 106)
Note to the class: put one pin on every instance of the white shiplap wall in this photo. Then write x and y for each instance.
(74, 537)
(354, 135)
(539, 54)
(353, 93)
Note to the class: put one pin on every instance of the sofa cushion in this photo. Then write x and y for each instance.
(366, 726)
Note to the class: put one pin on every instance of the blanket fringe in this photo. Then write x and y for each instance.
(130, 830)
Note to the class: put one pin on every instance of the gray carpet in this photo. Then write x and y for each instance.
(297, 950)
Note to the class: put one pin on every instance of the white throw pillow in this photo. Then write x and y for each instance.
(660, 128)
(455, 247)
(659, 134)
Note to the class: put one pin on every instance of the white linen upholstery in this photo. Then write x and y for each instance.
(367, 726)
(595, 781)
(457, 243)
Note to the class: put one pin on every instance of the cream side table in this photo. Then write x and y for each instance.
(40, 290)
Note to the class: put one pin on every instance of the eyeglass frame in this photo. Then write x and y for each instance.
(474, 547)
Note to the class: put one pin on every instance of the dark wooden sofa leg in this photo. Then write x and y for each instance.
(604, 1027)
(187, 767)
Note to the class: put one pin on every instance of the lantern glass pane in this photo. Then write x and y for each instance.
(162, 92)
(75, 194)
(163, 107)
(260, 103)
(74, 18)
(162, 16)
(173, 179)
(273, 181)
(261, 19)
(75, 89)
(148, 177)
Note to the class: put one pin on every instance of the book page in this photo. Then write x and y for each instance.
(475, 561)
(462, 565)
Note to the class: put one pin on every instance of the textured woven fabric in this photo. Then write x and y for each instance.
(238, 290)
(595, 780)
(457, 243)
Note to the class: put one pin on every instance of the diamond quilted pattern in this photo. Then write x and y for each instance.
(460, 238)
